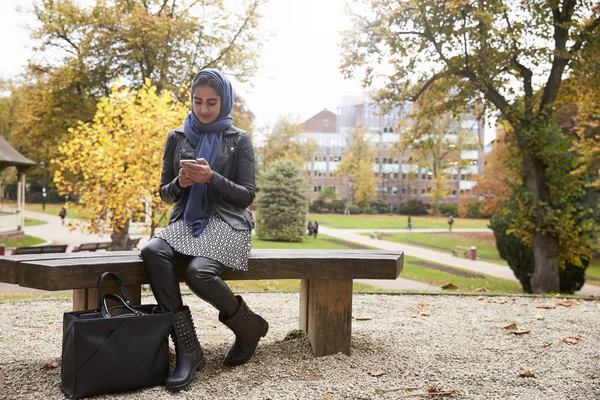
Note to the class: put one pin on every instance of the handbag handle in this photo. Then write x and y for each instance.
(116, 297)
(119, 282)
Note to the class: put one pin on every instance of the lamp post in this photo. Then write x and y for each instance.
(43, 165)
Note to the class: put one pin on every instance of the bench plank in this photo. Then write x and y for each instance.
(80, 273)
(10, 265)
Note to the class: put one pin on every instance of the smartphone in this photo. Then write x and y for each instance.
(192, 161)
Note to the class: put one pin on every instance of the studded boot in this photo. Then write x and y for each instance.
(248, 328)
(188, 351)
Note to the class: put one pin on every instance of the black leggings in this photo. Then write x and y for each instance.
(202, 276)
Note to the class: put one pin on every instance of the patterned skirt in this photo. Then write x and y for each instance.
(218, 242)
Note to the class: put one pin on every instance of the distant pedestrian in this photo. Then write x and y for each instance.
(311, 228)
(347, 211)
(450, 222)
(316, 229)
(62, 214)
(409, 227)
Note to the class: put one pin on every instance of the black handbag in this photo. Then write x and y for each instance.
(109, 350)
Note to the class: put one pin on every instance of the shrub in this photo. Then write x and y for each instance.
(354, 210)
(448, 209)
(412, 207)
(281, 203)
(520, 257)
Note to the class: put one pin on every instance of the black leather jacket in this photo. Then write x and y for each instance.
(233, 187)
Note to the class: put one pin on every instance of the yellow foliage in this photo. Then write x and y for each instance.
(114, 163)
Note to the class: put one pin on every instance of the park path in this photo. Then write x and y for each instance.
(498, 271)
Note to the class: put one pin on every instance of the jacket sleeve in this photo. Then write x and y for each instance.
(239, 192)
(170, 192)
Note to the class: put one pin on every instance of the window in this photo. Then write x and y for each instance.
(316, 172)
(384, 160)
(325, 123)
(376, 174)
(423, 176)
(403, 191)
(429, 176)
(414, 191)
(376, 160)
(394, 190)
(316, 189)
(428, 190)
(403, 176)
(463, 177)
(454, 192)
(332, 188)
(395, 175)
(422, 191)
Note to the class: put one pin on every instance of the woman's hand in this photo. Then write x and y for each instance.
(191, 173)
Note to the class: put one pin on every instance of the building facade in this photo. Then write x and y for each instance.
(397, 180)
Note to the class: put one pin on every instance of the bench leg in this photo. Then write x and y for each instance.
(326, 314)
(87, 299)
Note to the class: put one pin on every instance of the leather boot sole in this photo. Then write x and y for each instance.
(182, 386)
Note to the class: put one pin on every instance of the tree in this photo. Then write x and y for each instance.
(357, 163)
(114, 163)
(514, 55)
(167, 41)
(435, 139)
(284, 143)
(281, 203)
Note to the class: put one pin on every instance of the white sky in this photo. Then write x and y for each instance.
(299, 65)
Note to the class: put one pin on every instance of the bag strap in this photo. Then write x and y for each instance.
(116, 297)
(119, 282)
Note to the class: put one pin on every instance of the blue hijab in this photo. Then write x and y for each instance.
(206, 138)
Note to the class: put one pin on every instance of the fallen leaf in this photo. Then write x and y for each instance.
(527, 374)
(363, 318)
(546, 306)
(408, 389)
(50, 365)
(497, 301)
(545, 346)
(434, 389)
(481, 289)
(50, 323)
(422, 305)
(413, 316)
(481, 298)
(450, 286)
(379, 372)
(424, 314)
(539, 317)
(512, 326)
(567, 303)
(520, 332)
(266, 289)
(571, 339)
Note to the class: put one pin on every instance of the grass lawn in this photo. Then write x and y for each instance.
(445, 242)
(309, 243)
(22, 242)
(33, 222)
(594, 270)
(439, 278)
(53, 209)
(393, 221)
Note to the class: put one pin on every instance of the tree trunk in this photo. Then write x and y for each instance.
(545, 247)
(545, 273)
(120, 238)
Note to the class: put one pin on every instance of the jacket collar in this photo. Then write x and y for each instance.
(228, 132)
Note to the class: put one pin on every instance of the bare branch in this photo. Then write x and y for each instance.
(425, 87)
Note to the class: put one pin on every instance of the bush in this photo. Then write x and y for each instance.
(412, 207)
(281, 203)
(473, 210)
(354, 210)
(520, 257)
(448, 209)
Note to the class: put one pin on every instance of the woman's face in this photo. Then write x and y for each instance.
(207, 104)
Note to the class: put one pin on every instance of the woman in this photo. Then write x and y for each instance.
(210, 225)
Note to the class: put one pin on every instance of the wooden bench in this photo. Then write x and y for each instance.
(325, 289)
(91, 246)
(376, 235)
(465, 251)
(51, 248)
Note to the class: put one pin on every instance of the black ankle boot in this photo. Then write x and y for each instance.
(248, 328)
(188, 351)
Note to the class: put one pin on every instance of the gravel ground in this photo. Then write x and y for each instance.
(401, 347)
